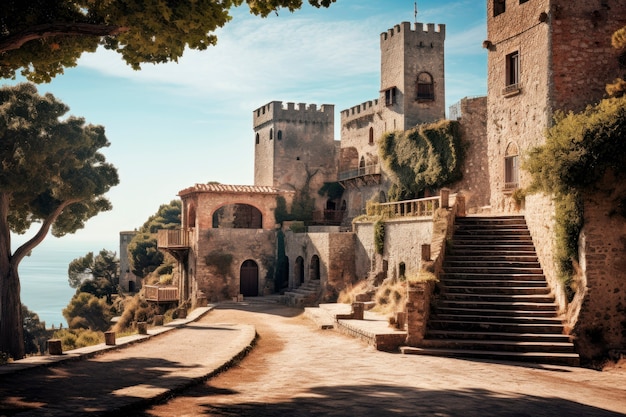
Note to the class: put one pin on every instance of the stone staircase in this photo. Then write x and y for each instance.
(305, 295)
(494, 301)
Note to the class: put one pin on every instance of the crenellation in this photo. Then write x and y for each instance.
(420, 29)
(292, 112)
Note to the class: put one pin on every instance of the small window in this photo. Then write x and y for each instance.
(425, 87)
(279, 135)
(499, 7)
(511, 167)
(257, 139)
(371, 138)
(522, 1)
(390, 96)
(512, 72)
(271, 134)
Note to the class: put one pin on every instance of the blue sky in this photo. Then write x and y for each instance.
(174, 125)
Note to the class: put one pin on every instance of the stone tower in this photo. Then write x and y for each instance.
(412, 75)
(294, 146)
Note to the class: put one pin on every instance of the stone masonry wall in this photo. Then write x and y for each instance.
(601, 325)
(236, 245)
(475, 183)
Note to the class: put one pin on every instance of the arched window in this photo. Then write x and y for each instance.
(257, 138)
(382, 198)
(299, 270)
(314, 271)
(425, 87)
(279, 135)
(249, 279)
(191, 216)
(371, 139)
(271, 134)
(511, 167)
(362, 166)
(237, 216)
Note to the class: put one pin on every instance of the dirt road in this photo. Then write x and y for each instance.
(298, 370)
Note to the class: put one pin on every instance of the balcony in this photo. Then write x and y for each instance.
(423, 207)
(366, 175)
(173, 239)
(158, 294)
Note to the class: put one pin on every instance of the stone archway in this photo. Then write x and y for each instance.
(249, 279)
(298, 271)
(314, 269)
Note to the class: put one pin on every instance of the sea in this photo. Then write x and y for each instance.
(43, 275)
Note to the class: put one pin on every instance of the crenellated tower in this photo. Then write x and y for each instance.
(294, 143)
(412, 83)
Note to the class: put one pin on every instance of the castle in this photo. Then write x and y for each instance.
(543, 55)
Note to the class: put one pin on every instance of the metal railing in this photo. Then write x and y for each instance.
(173, 238)
(160, 294)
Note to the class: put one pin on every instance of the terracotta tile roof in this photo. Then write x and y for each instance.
(233, 189)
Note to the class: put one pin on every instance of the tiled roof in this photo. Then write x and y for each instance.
(226, 188)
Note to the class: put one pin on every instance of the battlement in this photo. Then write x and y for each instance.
(360, 110)
(419, 31)
(300, 112)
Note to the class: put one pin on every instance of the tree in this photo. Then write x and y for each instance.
(618, 40)
(144, 254)
(89, 267)
(42, 37)
(35, 334)
(86, 311)
(52, 174)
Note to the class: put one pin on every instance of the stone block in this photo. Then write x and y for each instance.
(109, 338)
(55, 347)
(158, 320)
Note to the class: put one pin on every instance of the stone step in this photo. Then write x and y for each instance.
(477, 263)
(481, 317)
(566, 359)
(463, 312)
(498, 305)
(489, 248)
(492, 257)
(498, 336)
(493, 232)
(513, 299)
(490, 324)
(492, 270)
(500, 345)
(493, 220)
(487, 238)
(483, 290)
(477, 278)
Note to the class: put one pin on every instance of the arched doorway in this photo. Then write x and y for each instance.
(315, 267)
(249, 279)
(282, 276)
(298, 272)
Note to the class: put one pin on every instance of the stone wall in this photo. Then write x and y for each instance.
(230, 248)
(402, 244)
(475, 183)
(600, 328)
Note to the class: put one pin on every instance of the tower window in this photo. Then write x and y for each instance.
(499, 7)
(257, 139)
(371, 138)
(425, 87)
(522, 1)
(279, 135)
(390, 96)
(271, 134)
(511, 167)
(512, 73)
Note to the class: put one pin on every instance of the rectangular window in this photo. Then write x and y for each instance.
(511, 172)
(390, 96)
(499, 7)
(512, 70)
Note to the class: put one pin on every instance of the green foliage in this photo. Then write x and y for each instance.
(580, 149)
(281, 213)
(86, 311)
(41, 37)
(49, 161)
(105, 266)
(379, 236)
(100, 288)
(219, 260)
(429, 156)
(77, 338)
(35, 334)
(144, 255)
(135, 309)
(166, 217)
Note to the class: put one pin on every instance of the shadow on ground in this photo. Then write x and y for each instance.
(382, 400)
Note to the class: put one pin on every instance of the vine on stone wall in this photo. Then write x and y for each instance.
(426, 157)
(379, 236)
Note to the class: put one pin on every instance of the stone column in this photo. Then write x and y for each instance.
(418, 310)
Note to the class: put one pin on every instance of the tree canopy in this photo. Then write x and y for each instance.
(53, 174)
(40, 38)
(104, 265)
